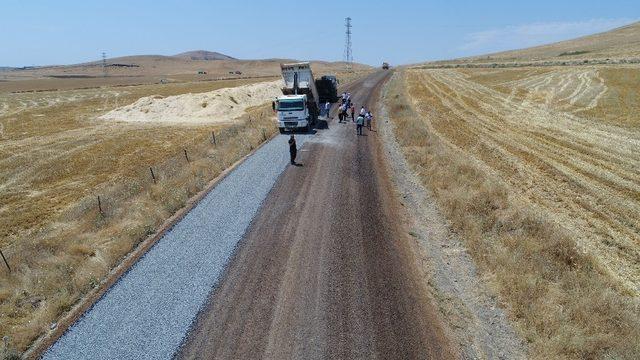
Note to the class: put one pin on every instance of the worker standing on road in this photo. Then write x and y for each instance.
(368, 117)
(293, 150)
(327, 109)
(363, 111)
(353, 113)
(359, 124)
(340, 113)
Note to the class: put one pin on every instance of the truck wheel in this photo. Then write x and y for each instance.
(281, 130)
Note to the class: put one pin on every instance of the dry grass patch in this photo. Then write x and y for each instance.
(621, 104)
(564, 304)
(67, 257)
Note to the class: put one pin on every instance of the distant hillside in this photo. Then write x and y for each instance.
(621, 45)
(172, 67)
(622, 42)
(203, 55)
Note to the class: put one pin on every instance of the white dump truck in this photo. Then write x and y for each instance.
(298, 106)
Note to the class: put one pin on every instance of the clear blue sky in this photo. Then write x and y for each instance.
(399, 31)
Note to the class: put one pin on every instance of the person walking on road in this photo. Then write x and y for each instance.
(363, 111)
(368, 117)
(293, 150)
(359, 124)
(327, 109)
(345, 116)
(353, 113)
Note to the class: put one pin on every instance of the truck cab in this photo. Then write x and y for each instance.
(293, 112)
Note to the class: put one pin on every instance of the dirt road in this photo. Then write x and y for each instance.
(325, 270)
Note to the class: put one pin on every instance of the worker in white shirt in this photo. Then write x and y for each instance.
(368, 117)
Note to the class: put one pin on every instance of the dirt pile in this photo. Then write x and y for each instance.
(219, 106)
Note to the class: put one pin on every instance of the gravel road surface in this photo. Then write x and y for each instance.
(326, 270)
(147, 313)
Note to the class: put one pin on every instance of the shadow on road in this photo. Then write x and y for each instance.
(300, 132)
(322, 125)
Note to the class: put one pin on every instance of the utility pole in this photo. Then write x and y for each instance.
(348, 56)
(104, 64)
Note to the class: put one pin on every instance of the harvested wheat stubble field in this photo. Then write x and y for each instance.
(57, 156)
(545, 191)
(580, 170)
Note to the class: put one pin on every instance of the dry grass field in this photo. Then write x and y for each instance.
(607, 95)
(570, 138)
(54, 150)
(539, 170)
(56, 157)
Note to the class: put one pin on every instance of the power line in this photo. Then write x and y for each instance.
(348, 55)
(104, 64)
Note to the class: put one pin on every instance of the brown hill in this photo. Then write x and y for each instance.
(145, 69)
(620, 43)
(160, 65)
(203, 55)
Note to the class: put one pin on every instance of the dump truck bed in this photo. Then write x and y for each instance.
(298, 79)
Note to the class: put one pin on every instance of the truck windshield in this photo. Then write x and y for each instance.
(290, 105)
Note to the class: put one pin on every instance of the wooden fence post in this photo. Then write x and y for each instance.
(213, 136)
(100, 205)
(5, 261)
(153, 176)
(186, 155)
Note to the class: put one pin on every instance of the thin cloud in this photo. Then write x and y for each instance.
(527, 35)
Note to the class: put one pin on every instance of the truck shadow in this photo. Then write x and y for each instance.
(322, 125)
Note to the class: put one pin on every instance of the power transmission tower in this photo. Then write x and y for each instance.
(348, 55)
(104, 64)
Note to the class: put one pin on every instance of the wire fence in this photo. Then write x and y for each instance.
(159, 188)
